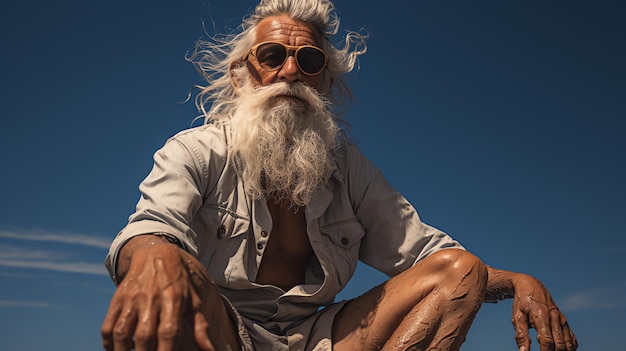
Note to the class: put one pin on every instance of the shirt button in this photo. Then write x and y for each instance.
(221, 232)
(259, 246)
(345, 241)
(264, 234)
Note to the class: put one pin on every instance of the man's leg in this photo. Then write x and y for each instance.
(428, 307)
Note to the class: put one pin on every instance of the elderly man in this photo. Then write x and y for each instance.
(249, 226)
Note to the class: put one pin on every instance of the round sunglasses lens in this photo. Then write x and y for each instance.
(271, 55)
(311, 60)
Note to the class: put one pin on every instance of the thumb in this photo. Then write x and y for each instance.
(201, 332)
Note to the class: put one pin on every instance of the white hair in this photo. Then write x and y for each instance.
(282, 146)
(213, 58)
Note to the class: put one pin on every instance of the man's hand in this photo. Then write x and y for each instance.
(533, 307)
(161, 299)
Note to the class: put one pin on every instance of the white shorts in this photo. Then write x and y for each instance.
(311, 334)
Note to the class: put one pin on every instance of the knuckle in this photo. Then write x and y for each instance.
(106, 330)
(171, 295)
(143, 336)
(546, 341)
(518, 320)
(168, 331)
(120, 334)
(521, 334)
(202, 325)
(121, 330)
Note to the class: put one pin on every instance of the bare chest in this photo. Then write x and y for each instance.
(288, 250)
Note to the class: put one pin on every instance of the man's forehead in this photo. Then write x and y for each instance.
(287, 30)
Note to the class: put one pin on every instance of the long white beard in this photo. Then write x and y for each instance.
(283, 136)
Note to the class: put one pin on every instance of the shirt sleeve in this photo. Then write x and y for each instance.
(171, 195)
(395, 238)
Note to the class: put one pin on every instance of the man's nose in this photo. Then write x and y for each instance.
(290, 70)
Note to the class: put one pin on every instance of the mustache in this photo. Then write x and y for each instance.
(309, 95)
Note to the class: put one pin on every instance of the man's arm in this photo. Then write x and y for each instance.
(533, 307)
(161, 294)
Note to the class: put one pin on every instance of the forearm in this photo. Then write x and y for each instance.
(500, 285)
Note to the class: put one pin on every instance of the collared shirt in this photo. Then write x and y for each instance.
(193, 194)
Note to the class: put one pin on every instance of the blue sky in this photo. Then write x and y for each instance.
(502, 121)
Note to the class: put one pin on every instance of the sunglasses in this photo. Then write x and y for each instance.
(272, 56)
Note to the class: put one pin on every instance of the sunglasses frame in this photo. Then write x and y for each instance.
(291, 51)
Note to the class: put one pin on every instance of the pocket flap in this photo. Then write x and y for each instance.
(345, 233)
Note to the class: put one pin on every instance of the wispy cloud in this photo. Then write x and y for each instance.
(8, 252)
(70, 267)
(15, 303)
(76, 239)
(60, 261)
(601, 298)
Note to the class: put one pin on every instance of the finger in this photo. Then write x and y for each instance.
(170, 322)
(557, 329)
(124, 328)
(201, 332)
(522, 337)
(571, 344)
(146, 330)
(199, 324)
(107, 325)
(540, 320)
(574, 341)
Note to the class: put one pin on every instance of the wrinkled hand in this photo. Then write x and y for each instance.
(533, 307)
(157, 303)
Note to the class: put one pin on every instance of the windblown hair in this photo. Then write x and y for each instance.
(213, 57)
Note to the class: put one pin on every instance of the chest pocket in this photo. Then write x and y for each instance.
(229, 224)
(221, 235)
(343, 241)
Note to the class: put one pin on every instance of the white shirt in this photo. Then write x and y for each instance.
(194, 195)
